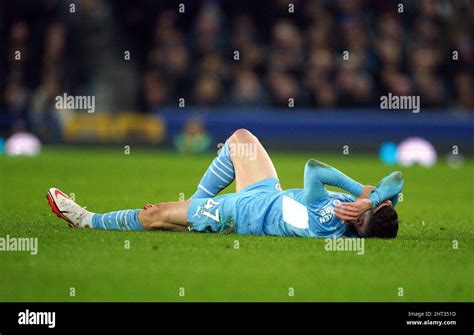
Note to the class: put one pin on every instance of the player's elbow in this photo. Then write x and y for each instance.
(400, 182)
(398, 175)
(312, 163)
(311, 172)
(310, 168)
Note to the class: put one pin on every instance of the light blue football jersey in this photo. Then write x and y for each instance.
(264, 209)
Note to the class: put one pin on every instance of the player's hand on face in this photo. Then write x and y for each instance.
(147, 206)
(351, 211)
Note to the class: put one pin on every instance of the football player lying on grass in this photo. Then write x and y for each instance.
(259, 206)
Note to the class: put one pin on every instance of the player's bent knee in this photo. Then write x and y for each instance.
(242, 136)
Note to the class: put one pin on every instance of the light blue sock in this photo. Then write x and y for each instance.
(218, 176)
(120, 220)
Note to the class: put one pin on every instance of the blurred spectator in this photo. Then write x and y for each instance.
(208, 35)
(208, 91)
(16, 98)
(283, 87)
(247, 90)
(194, 139)
(43, 113)
(325, 95)
(155, 90)
(464, 87)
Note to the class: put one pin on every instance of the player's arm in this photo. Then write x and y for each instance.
(318, 174)
(366, 190)
(387, 189)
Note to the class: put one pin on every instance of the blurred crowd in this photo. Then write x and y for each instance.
(142, 54)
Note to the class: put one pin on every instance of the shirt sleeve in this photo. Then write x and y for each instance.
(387, 189)
(318, 174)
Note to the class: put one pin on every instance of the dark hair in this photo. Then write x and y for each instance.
(383, 223)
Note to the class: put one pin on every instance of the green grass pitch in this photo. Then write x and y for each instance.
(437, 209)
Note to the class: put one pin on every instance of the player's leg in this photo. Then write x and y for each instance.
(170, 216)
(242, 157)
(218, 176)
(166, 216)
(250, 159)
